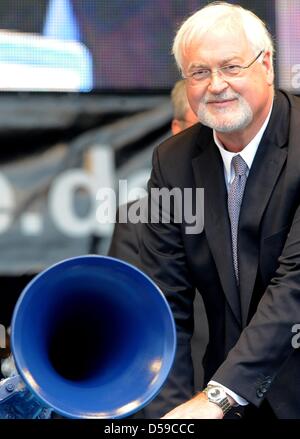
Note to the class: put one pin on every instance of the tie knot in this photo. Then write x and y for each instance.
(239, 165)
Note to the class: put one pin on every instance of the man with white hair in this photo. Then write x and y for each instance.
(246, 260)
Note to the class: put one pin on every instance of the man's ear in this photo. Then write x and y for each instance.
(176, 126)
(268, 67)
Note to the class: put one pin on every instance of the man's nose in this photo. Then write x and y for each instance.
(217, 83)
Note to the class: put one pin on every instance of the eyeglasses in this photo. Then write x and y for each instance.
(229, 71)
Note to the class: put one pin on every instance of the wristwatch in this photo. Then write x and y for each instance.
(217, 395)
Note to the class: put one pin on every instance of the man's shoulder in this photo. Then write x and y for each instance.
(186, 144)
(293, 99)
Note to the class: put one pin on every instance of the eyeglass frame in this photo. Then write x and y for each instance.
(221, 69)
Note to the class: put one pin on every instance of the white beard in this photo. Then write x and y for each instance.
(222, 119)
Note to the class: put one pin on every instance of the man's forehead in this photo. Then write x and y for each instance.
(198, 53)
(217, 42)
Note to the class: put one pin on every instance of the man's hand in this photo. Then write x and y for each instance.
(198, 407)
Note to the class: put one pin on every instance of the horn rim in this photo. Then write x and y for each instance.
(22, 370)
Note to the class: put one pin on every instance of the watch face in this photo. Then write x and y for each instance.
(216, 393)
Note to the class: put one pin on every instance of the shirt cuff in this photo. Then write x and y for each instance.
(239, 400)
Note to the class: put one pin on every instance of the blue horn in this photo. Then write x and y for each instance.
(93, 337)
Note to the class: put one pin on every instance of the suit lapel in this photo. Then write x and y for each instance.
(209, 174)
(263, 175)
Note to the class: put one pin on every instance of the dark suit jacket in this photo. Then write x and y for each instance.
(250, 349)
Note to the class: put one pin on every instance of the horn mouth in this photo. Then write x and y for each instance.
(93, 337)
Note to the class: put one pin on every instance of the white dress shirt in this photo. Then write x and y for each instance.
(248, 154)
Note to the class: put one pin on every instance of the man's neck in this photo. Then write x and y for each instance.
(236, 141)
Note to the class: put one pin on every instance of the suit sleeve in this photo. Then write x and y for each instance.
(266, 343)
(163, 259)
